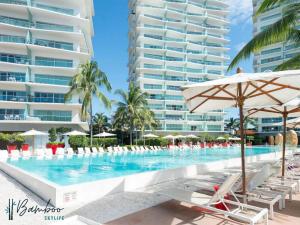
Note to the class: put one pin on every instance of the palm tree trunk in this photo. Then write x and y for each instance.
(91, 123)
(130, 136)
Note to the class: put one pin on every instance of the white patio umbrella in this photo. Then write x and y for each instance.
(291, 108)
(191, 136)
(75, 133)
(243, 91)
(150, 136)
(104, 134)
(234, 139)
(221, 138)
(170, 137)
(179, 137)
(33, 133)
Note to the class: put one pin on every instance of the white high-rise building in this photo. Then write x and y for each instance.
(42, 42)
(173, 43)
(272, 56)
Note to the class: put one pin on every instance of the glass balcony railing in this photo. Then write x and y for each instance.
(10, 38)
(15, 2)
(18, 59)
(38, 25)
(55, 80)
(47, 100)
(56, 27)
(41, 6)
(12, 117)
(54, 44)
(49, 115)
(12, 77)
(13, 98)
(41, 61)
(15, 21)
(54, 8)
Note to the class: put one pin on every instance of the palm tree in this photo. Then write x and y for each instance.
(283, 30)
(232, 124)
(86, 84)
(101, 122)
(133, 111)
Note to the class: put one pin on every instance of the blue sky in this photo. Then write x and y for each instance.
(111, 40)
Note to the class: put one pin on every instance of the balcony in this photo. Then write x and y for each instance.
(41, 6)
(12, 77)
(38, 25)
(17, 59)
(13, 39)
(14, 98)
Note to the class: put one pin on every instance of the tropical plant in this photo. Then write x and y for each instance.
(101, 123)
(283, 30)
(232, 124)
(86, 84)
(133, 111)
(52, 135)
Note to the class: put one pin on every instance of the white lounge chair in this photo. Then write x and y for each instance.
(208, 202)
(60, 151)
(26, 154)
(80, 151)
(94, 151)
(70, 151)
(262, 196)
(101, 150)
(87, 151)
(3, 155)
(40, 152)
(48, 153)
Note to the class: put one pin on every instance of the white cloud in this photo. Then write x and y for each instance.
(240, 11)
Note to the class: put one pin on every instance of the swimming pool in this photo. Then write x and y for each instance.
(77, 170)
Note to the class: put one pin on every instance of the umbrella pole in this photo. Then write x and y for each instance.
(284, 141)
(241, 108)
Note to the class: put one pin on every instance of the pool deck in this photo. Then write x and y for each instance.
(138, 207)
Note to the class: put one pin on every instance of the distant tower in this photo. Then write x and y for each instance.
(174, 43)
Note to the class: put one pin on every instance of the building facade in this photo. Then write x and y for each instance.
(41, 45)
(173, 43)
(270, 57)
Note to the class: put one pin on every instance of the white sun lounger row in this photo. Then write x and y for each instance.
(238, 211)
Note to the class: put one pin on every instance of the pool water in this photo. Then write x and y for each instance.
(74, 170)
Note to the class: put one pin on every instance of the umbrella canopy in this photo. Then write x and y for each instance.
(75, 133)
(150, 136)
(169, 137)
(191, 136)
(179, 136)
(243, 91)
(104, 134)
(234, 139)
(291, 108)
(221, 138)
(33, 133)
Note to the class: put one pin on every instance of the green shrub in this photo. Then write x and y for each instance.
(78, 141)
(105, 142)
(154, 142)
(52, 135)
(258, 140)
(11, 139)
(81, 141)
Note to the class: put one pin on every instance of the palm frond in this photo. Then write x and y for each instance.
(293, 63)
(275, 33)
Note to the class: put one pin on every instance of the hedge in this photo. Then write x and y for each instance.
(154, 142)
(80, 141)
(11, 139)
